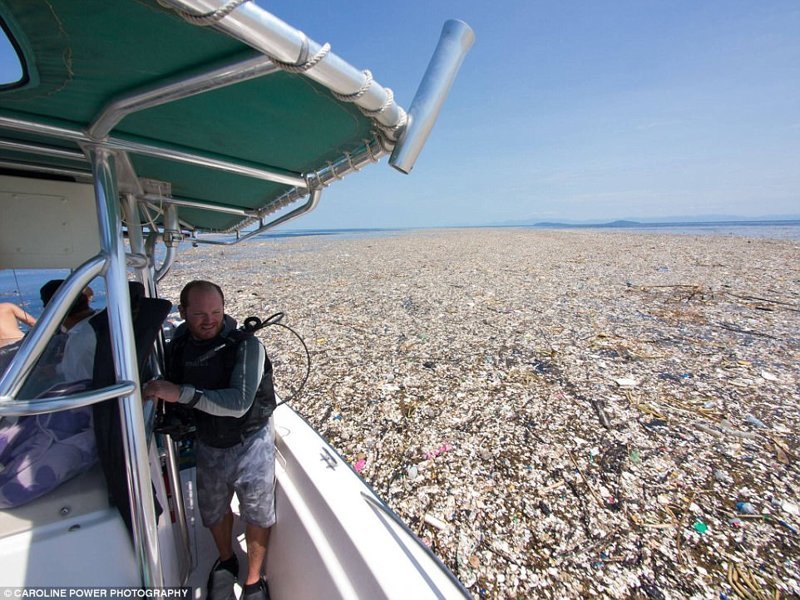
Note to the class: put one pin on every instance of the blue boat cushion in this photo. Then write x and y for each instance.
(40, 452)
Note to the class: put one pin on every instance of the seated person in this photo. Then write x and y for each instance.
(78, 314)
(39, 452)
(10, 315)
(47, 371)
(10, 333)
(80, 309)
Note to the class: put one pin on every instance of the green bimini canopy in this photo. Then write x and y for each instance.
(231, 114)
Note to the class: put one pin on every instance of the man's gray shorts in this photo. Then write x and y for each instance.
(247, 469)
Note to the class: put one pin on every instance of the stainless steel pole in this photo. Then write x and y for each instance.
(247, 170)
(172, 236)
(143, 513)
(163, 92)
(456, 39)
(308, 206)
(266, 33)
(130, 208)
(176, 487)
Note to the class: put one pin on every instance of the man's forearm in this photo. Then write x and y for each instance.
(236, 399)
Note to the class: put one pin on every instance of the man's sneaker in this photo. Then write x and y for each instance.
(256, 591)
(222, 578)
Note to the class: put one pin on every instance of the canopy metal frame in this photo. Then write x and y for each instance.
(186, 156)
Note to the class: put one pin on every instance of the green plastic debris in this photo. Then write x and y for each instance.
(699, 526)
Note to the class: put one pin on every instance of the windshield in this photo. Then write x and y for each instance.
(10, 66)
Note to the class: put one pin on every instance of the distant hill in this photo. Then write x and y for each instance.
(648, 222)
(557, 225)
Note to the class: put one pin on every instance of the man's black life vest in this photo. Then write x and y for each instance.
(212, 372)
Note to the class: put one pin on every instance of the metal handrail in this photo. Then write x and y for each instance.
(11, 407)
(252, 170)
(23, 166)
(310, 204)
(198, 204)
(145, 275)
(171, 242)
(174, 477)
(43, 150)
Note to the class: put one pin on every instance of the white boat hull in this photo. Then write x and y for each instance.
(334, 538)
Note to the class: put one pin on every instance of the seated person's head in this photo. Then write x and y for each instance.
(49, 289)
(79, 308)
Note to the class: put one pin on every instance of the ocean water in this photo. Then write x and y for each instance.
(782, 230)
(21, 286)
(339, 234)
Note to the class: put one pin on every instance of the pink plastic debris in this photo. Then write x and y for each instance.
(440, 450)
(359, 465)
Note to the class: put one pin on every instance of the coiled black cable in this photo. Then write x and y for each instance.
(253, 324)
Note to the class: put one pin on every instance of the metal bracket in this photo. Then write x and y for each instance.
(328, 458)
(154, 186)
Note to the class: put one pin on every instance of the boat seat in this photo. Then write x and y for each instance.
(81, 495)
(48, 541)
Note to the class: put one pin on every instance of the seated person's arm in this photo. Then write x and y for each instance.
(23, 317)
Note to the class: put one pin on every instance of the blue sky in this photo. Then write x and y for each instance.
(578, 110)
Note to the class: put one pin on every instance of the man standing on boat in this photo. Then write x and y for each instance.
(217, 371)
